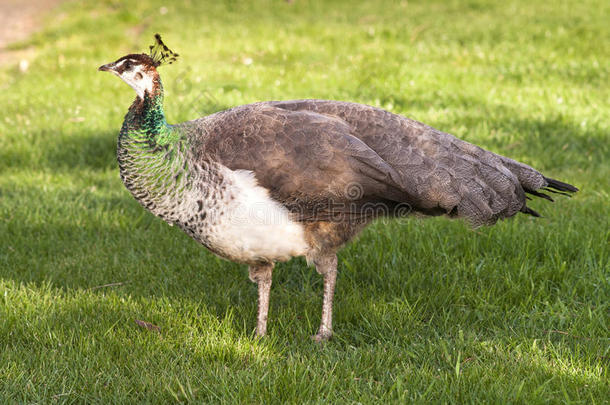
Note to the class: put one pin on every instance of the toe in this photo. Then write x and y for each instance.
(322, 337)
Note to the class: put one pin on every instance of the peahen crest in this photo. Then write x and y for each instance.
(161, 54)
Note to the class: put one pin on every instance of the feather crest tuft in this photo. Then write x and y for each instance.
(161, 54)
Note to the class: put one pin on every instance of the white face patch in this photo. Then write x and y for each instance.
(140, 80)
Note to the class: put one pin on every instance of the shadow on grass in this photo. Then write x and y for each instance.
(48, 150)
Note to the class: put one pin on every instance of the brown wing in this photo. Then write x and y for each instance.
(442, 171)
(320, 158)
(310, 162)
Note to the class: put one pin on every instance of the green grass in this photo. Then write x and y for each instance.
(425, 311)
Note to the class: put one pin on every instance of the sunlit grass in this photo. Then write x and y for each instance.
(426, 311)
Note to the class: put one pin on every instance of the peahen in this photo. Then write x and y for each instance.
(264, 182)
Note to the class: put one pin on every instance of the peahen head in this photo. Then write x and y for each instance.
(139, 70)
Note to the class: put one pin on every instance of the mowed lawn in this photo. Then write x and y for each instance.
(425, 310)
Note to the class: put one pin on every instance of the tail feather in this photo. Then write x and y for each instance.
(539, 194)
(560, 185)
(528, 210)
(553, 186)
(550, 190)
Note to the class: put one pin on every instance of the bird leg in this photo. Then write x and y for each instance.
(261, 275)
(327, 267)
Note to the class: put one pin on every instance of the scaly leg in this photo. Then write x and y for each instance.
(261, 275)
(327, 267)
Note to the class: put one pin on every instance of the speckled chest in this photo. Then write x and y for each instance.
(230, 214)
(201, 208)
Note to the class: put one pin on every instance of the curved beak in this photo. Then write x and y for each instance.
(108, 67)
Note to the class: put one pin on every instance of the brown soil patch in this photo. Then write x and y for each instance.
(18, 19)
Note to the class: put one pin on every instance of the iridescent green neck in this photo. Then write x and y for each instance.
(145, 122)
(152, 155)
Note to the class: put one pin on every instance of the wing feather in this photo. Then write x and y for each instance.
(308, 153)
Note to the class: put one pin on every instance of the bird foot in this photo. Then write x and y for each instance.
(322, 337)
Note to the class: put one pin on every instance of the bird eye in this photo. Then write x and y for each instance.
(127, 64)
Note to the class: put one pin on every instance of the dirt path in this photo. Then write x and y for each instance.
(18, 19)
